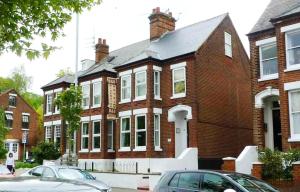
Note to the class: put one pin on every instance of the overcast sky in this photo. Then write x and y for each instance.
(124, 22)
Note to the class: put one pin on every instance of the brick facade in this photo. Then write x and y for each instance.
(217, 92)
(278, 83)
(15, 133)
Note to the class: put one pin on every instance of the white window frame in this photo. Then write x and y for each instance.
(56, 110)
(228, 52)
(86, 96)
(178, 95)
(141, 97)
(56, 135)
(125, 100)
(290, 67)
(84, 136)
(96, 135)
(97, 83)
(294, 137)
(156, 129)
(140, 148)
(48, 133)
(49, 104)
(156, 95)
(110, 135)
(122, 148)
(271, 76)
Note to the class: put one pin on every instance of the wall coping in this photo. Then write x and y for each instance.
(228, 158)
(257, 163)
(296, 163)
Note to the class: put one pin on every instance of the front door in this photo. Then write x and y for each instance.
(180, 133)
(277, 129)
(13, 147)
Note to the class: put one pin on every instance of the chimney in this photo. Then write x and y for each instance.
(102, 50)
(160, 23)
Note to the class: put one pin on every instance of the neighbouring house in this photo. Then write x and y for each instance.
(275, 72)
(22, 121)
(183, 94)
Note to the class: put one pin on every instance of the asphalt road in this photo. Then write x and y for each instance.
(123, 190)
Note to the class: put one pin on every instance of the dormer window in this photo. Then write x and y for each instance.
(12, 100)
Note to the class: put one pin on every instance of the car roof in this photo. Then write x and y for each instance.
(220, 172)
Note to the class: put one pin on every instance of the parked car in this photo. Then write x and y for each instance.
(29, 184)
(4, 172)
(66, 172)
(211, 181)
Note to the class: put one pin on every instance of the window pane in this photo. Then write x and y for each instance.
(126, 93)
(270, 67)
(294, 56)
(85, 128)
(179, 87)
(156, 138)
(125, 140)
(174, 181)
(141, 90)
(97, 142)
(156, 77)
(189, 181)
(228, 50)
(141, 122)
(178, 74)
(125, 81)
(227, 38)
(140, 77)
(125, 124)
(96, 100)
(97, 127)
(215, 183)
(295, 96)
(85, 142)
(141, 138)
(269, 51)
(293, 39)
(296, 123)
(97, 89)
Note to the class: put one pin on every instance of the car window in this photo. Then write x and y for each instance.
(67, 173)
(189, 181)
(174, 181)
(48, 172)
(37, 171)
(215, 183)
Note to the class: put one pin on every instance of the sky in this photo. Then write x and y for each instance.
(123, 22)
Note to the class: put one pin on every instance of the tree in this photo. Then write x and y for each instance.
(22, 21)
(3, 132)
(21, 81)
(45, 150)
(69, 102)
(64, 72)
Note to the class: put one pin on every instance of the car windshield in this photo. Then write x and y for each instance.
(4, 170)
(252, 184)
(67, 173)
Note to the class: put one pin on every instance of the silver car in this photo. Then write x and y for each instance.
(68, 173)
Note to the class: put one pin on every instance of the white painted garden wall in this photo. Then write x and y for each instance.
(243, 164)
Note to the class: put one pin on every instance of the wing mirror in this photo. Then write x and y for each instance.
(229, 190)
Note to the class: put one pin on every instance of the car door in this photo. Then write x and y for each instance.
(185, 182)
(211, 182)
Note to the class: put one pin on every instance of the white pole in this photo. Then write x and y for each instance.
(77, 47)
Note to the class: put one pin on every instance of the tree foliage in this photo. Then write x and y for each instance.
(69, 102)
(21, 21)
(64, 72)
(3, 132)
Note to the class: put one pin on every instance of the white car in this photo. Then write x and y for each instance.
(66, 172)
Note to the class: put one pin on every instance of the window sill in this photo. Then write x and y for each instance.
(124, 149)
(139, 149)
(12, 106)
(95, 106)
(56, 113)
(293, 68)
(47, 114)
(294, 140)
(24, 129)
(178, 96)
(124, 101)
(158, 149)
(110, 151)
(157, 98)
(95, 151)
(140, 98)
(269, 77)
(83, 151)
(86, 107)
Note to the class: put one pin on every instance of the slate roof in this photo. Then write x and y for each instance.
(275, 9)
(171, 44)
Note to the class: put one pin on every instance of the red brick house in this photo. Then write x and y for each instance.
(275, 64)
(21, 119)
(154, 99)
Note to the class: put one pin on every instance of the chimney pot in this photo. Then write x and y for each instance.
(99, 41)
(102, 50)
(104, 41)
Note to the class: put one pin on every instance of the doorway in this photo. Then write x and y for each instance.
(277, 129)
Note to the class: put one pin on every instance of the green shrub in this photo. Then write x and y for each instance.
(20, 164)
(277, 164)
(45, 150)
(2, 153)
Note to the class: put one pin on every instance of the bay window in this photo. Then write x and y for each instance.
(97, 86)
(156, 84)
(140, 85)
(96, 135)
(293, 49)
(294, 105)
(140, 132)
(85, 136)
(85, 96)
(125, 132)
(125, 88)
